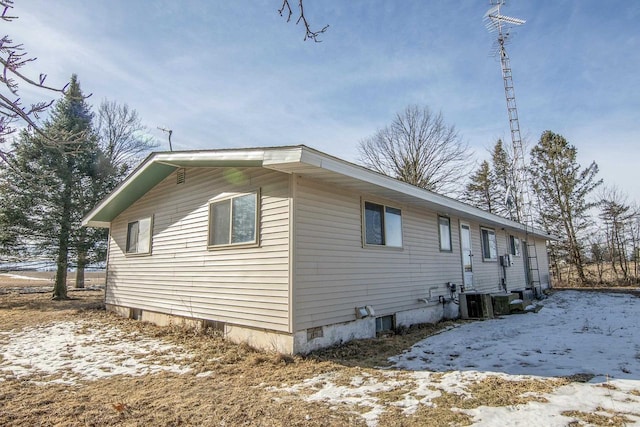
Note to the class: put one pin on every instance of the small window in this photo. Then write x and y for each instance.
(444, 231)
(233, 221)
(489, 245)
(382, 225)
(139, 236)
(514, 245)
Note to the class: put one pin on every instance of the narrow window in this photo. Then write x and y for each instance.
(444, 230)
(139, 236)
(489, 245)
(382, 225)
(514, 244)
(233, 221)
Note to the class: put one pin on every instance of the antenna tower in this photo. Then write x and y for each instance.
(502, 24)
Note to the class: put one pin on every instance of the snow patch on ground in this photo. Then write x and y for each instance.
(68, 352)
(575, 332)
(593, 334)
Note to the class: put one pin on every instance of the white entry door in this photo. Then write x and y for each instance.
(467, 255)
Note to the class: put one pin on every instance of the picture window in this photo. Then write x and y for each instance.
(233, 221)
(382, 225)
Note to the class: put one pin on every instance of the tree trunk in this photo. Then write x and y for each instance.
(60, 286)
(82, 262)
(62, 263)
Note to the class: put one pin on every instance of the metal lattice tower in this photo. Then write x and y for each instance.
(501, 24)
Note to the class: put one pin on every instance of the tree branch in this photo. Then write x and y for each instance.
(309, 33)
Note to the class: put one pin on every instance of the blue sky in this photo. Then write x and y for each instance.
(235, 74)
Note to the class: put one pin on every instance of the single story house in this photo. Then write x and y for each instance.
(291, 249)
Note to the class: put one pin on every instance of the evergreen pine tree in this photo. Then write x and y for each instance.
(480, 191)
(506, 187)
(563, 188)
(48, 183)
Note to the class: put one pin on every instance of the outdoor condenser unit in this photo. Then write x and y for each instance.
(476, 306)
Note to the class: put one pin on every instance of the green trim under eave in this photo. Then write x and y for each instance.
(145, 181)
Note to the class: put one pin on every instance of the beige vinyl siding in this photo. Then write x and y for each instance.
(245, 285)
(516, 275)
(543, 262)
(333, 273)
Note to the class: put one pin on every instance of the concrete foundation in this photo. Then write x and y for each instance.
(303, 341)
(432, 313)
(335, 334)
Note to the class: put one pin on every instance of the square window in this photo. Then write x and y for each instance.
(444, 231)
(514, 246)
(382, 225)
(139, 236)
(489, 245)
(233, 221)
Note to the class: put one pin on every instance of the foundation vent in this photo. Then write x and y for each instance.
(135, 313)
(313, 333)
(213, 325)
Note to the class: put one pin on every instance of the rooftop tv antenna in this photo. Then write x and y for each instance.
(501, 24)
(170, 132)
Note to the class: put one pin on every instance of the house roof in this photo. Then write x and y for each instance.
(299, 160)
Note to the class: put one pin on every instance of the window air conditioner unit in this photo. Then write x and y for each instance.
(476, 306)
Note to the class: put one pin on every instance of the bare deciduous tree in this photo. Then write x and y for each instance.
(617, 217)
(309, 34)
(419, 148)
(12, 58)
(121, 136)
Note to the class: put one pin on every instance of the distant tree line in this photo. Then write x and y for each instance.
(598, 229)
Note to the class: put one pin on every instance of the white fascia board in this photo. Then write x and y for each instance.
(207, 155)
(287, 155)
(124, 184)
(340, 166)
(174, 159)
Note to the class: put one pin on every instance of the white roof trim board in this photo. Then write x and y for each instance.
(299, 160)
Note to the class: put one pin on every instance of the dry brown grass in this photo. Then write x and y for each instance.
(497, 391)
(612, 418)
(235, 393)
(162, 399)
(19, 311)
(435, 416)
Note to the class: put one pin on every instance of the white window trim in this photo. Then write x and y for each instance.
(440, 235)
(231, 196)
(495, 236)
(364, 226)
(146, 252)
